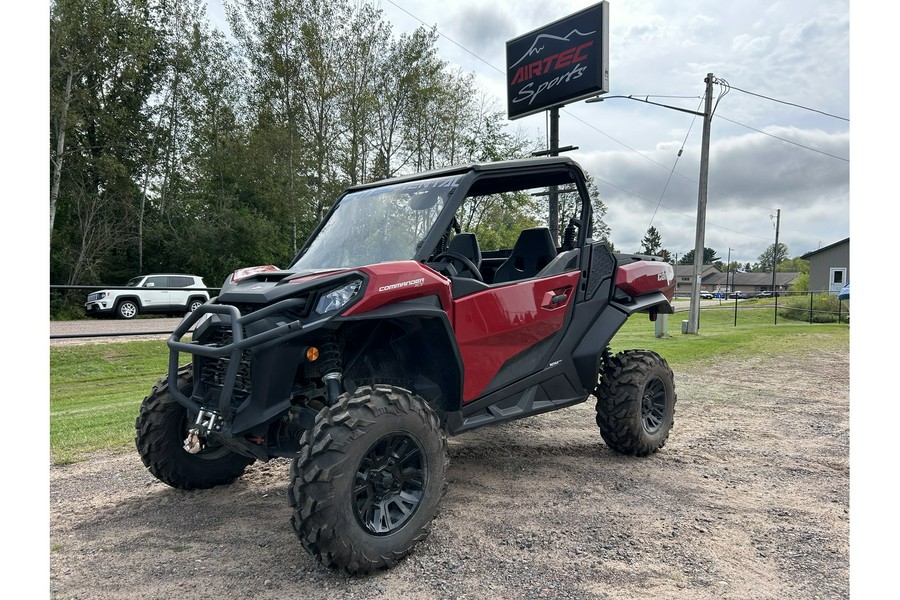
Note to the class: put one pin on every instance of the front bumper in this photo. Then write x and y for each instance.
(97, 307)
(272, 329)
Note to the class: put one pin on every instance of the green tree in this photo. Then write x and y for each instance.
(497, 219)
(709, 257)
(728, 268)
(214, 209)
(269, 33)
(104, 66)
(401, 79)
(367, 34)
(651, 242)
(765, 260)
(794, 265)
(801, 283)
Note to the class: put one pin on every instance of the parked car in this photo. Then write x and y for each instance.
(704, 295)
(845, 292)
(738, 295)
(765, 295)
(149, 294)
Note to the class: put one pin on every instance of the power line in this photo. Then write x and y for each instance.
(671, 171)
(659, 164)
(722, 82)
(678, 212)
(675, 164)
(784, 140)
(449, 39)
(821, 112)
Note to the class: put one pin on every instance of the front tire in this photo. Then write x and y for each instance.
(127, 309)
(368, 478)
(636, 402)
(161, 428)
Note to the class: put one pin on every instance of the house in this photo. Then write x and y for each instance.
(684, 274)
(829, 267)
(750, 283)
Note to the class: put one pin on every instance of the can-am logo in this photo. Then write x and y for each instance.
(403, 284)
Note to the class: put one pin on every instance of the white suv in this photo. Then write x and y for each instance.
(149, 294)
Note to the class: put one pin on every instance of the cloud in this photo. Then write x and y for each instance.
(751, 177)
(480, 27)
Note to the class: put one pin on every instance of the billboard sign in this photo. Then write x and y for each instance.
(562, 62)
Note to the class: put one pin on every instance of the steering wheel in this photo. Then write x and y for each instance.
(464, 260)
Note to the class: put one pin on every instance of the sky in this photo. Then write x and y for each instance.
(788, 152)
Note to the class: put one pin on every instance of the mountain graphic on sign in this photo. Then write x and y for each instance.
(534, 49)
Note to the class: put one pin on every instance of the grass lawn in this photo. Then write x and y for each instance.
(719, 338)
(96, 389)
(95, 394)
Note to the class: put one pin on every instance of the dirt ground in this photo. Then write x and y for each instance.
(749, 499)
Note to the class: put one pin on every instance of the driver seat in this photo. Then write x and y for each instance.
(467, 245)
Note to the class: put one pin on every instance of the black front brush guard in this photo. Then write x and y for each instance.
(233, 350)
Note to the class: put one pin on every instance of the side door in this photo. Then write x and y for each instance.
(178, 298)
(837, 277)
(505, 332)
(153, 298)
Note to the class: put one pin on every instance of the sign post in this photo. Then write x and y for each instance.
(564, 61)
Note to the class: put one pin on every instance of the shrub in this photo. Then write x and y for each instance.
(66, 305)
(825, 309)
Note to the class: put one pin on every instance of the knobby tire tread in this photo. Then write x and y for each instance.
(322, 460)
(161, 449)
(618, 396)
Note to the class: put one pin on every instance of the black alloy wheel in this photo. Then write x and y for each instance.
(367, 479)
(390, 483)
(653, 405)
(635, 402)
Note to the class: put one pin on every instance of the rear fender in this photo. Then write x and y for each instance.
(646, 277)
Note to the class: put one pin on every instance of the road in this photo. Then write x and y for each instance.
(111, 330)
(148, 328)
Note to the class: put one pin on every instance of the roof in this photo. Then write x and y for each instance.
(823, 249)
(688, 270)
(499, 165)
(782, 278)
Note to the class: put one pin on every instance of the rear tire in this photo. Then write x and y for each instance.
(368, 478)
(194, 304)
(636, 402)
(162, 426)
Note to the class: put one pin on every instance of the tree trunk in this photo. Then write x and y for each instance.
(60, 150)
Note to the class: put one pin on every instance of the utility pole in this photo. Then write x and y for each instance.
(694, 317)
(775, 261)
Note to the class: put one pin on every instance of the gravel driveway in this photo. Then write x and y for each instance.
(749, 499)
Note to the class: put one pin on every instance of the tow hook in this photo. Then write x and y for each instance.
(206, 421)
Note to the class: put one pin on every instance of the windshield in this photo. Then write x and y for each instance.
(134, 281)
(378, 225)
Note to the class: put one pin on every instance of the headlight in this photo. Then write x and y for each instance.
(337, 298)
